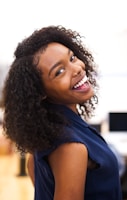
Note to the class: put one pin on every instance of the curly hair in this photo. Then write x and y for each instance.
(28, 121)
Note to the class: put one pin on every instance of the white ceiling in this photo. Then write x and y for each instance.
(102, 22)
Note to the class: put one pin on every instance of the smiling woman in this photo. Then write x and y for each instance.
(50, 87)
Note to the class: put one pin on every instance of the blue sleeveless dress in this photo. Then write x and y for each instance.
(102, 183)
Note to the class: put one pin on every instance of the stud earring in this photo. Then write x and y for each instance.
(44, 97)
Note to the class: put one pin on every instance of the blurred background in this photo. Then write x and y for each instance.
(104, 25)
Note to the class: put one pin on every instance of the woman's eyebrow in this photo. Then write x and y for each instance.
(57, 63)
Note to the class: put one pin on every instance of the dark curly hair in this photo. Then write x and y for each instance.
(28, 121)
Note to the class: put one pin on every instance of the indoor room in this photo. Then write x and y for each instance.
(104, 29)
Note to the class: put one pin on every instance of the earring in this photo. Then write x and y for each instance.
(44, 97)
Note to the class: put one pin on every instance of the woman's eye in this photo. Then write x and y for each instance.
(59, 72)
(72, 58)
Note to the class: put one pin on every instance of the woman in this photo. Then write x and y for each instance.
(49, 93)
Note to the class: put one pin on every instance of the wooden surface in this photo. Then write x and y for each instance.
(13, 187)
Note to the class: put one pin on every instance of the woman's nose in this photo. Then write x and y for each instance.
(77, 71)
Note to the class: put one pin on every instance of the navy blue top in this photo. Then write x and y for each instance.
(102, 183)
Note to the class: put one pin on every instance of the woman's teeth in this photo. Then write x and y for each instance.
(80, 83)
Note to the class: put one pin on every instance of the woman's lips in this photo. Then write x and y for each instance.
(81, 83)
(85, 87)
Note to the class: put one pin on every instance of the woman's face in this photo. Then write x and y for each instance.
(64, 76)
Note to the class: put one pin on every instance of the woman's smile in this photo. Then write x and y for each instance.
(80, 83)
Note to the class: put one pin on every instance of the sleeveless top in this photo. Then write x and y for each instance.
(102, 183)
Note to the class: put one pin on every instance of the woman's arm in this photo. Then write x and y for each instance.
(69, 166)
(30, 167)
